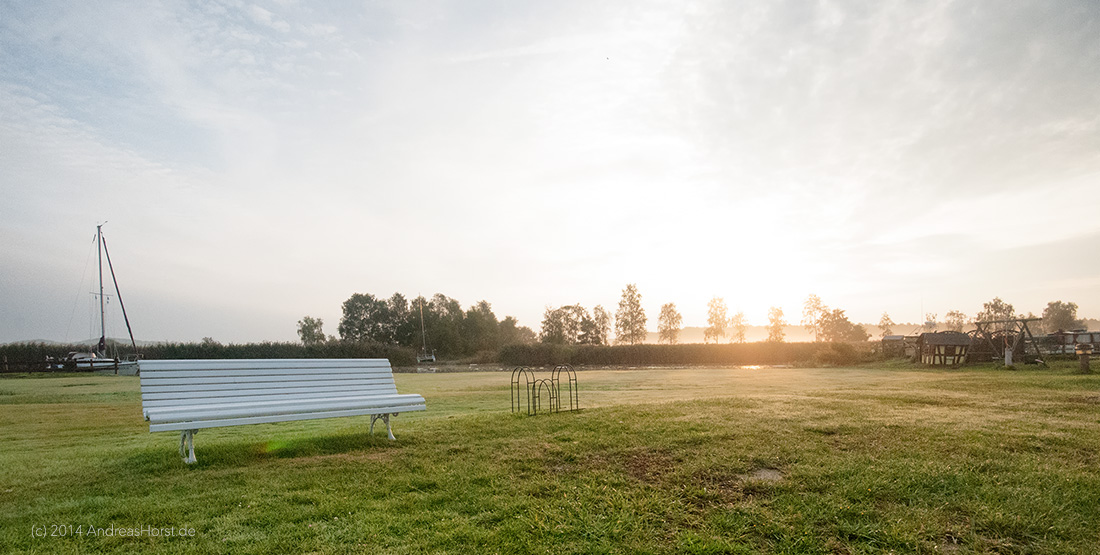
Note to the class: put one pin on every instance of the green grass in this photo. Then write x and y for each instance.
(768, 460)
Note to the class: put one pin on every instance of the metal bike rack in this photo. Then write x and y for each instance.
(571, 382)
(525, 386)
(528, 376)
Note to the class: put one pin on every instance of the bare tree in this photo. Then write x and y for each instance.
(668, 326)
(630, 318)
(955, 320)
(738, 324)
(886, 324)
(775, 325)
(930, 322)
(996, 311)
(716, 320)
(812, 312)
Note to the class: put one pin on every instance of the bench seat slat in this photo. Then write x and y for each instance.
(280, 382)
(177, 426)
(245, 364)
(260, 399)
(231, 395)
(212, 412)
(258, 385)
(303, 372)
(155, 380)
(274, 403)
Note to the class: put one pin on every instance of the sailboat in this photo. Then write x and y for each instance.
(99, 359)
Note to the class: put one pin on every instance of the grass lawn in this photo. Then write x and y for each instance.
(738, 460)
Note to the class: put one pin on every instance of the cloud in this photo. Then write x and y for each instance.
(948, 94)
(266, 18)
(283, 155)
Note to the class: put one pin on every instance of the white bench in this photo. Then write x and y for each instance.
(189, 395)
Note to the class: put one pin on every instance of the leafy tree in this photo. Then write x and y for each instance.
(834, 326)
(996, 310)
(594, 327)
(512, 333)
(716, 320)
(403, 324)
(553, 327)
(309, 329)
(669, 323)
(575, 318)
(630, 318)
(955, 320)
(443, 320)
(448, 329)
(738, 324)
(601, 320)
(564, 325)
(812, 311)
(365, 318)
(886, 324)
(775, 325)
(480, 328)
(589, 334)
(1061, 316)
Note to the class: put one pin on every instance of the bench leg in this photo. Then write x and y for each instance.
(187, 446)
(385, 418)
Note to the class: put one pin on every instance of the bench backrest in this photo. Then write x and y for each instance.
(185, 383)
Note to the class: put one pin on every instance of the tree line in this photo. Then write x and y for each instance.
(1057, 316)
(440, 324)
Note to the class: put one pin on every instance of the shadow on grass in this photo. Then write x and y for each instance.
(229, 453)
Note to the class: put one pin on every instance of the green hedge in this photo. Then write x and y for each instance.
(398, 356)
(32, 357)
(736, 354)
(538, 354)
(24, 353)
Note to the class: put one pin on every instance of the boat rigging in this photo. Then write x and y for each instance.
(424, 355)
(99, 359)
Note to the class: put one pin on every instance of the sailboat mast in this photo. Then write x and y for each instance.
(423, 334)
(102, 311)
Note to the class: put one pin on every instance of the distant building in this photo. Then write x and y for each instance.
(893, 346)
(1065, 342)
(946, 348)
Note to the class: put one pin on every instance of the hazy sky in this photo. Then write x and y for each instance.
(259, 162)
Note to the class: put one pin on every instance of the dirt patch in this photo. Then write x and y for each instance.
(731, 488)
(648, 465)
(762, 475)
(726, 488)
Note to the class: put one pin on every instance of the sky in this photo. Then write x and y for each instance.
(259, 162)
